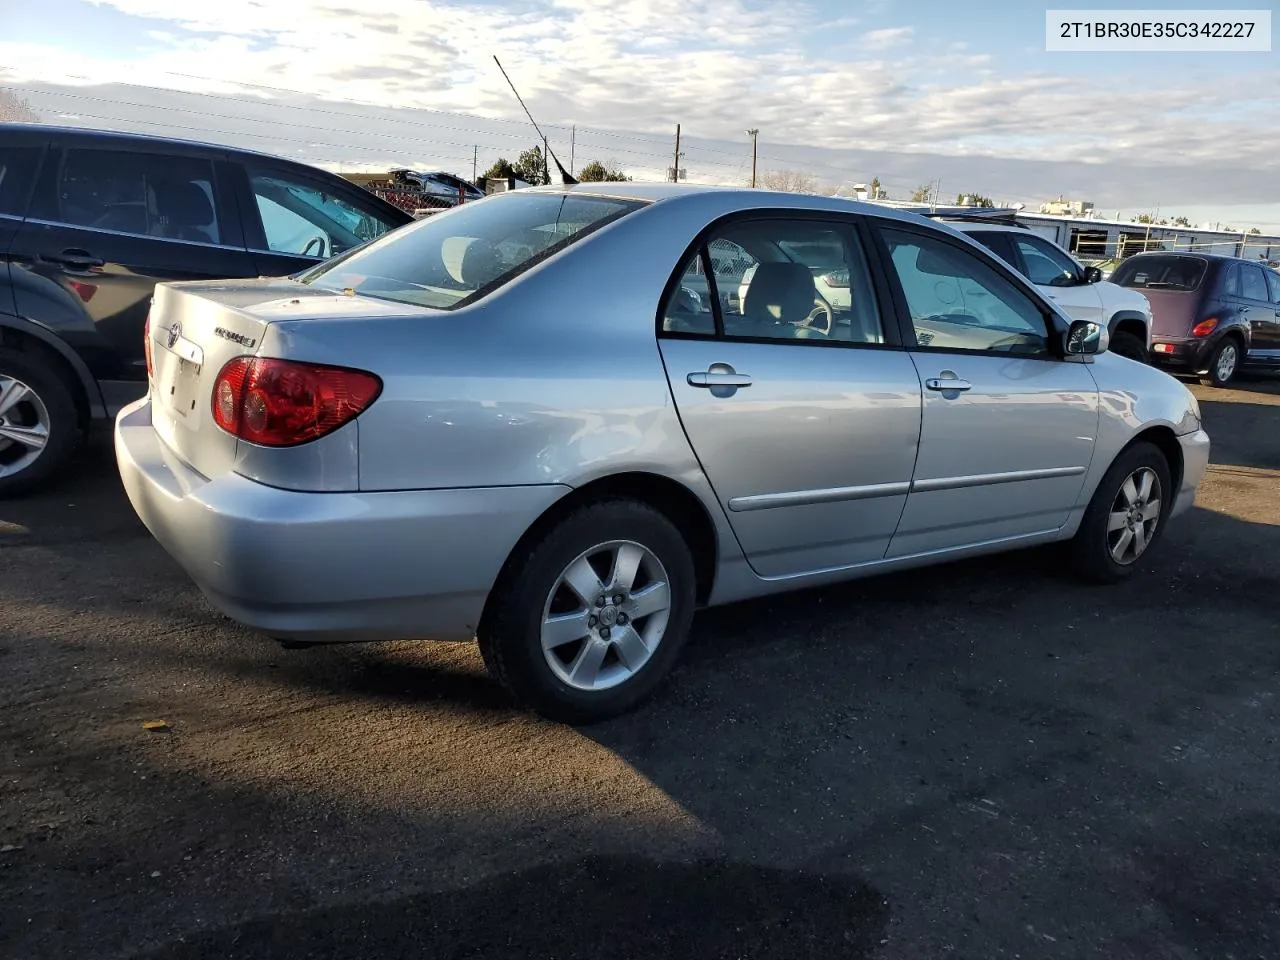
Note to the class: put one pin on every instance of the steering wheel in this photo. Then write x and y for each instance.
(319, 241)
(820, 306)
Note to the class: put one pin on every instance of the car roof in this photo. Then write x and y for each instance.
(740, 198)
(1188, 253)
(120, 136)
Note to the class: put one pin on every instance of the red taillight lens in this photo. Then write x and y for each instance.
(282, 403)
(146, 346)
(1205, 327)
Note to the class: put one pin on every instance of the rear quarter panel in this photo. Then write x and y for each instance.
(554, 379)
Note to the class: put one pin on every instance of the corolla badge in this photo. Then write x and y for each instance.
(175, 334)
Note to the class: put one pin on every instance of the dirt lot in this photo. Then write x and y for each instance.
(978, 761)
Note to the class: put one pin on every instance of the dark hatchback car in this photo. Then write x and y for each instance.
(90, 221)
(1211, 315)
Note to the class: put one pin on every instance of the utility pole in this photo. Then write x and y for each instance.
(546, 170)
(753, 134)
(475, 160)
(675, 170)
(573, 141)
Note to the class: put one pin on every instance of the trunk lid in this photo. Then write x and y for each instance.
(196, 328)
(1173, 312)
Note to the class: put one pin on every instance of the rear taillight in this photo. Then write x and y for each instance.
(282, 403)
(146, 346)
(1205, 327)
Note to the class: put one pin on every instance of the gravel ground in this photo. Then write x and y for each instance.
(976, 761)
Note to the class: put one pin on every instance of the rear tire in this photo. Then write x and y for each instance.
(601, 658)
(1129, 345)
(1124, 520)
(39, 425)
(1224, 363)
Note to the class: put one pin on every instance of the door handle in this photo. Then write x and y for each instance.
(718, 378)
(76, 259)
(946, 384)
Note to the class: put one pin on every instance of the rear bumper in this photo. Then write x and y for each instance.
(1190, 355)
(326, 566)
(1195, 460)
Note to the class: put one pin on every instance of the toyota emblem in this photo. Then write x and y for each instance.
(175, 332)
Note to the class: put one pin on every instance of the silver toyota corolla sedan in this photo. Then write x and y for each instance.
(558, 421)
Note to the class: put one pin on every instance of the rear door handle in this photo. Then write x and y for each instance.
(718, 375)
(946, 384)
(76, 259)
(719, 380)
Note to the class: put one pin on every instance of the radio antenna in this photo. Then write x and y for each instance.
(565, 176)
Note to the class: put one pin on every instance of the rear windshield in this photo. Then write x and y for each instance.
(452, 258)
(1161, 273)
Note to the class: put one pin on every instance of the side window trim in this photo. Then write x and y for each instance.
(1020, 283)
(853, 226)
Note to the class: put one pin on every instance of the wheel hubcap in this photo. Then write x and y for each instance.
(1135, 513)
(24, 426)
(606, 615)
(1227, 362)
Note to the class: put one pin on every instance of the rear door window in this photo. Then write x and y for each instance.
(1253, 285)
(17, 170)
(144, 194)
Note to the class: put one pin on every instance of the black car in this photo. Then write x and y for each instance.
(90, 221)
(1212, 315)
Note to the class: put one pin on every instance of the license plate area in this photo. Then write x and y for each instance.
(179, 392)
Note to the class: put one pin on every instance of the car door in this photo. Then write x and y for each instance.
(805, 424)
(1266, 347)
(1258, 309)
(108, 220)
(296, 218)
(20, 154)
(1008, 424)
(1057, 277)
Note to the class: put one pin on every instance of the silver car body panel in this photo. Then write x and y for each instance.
(835, 462)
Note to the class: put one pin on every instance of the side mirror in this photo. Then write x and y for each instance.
(1092, 275)
(1086, 338)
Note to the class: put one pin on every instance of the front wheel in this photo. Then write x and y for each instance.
(586, 621)
(1125, 516)
(1223, 363)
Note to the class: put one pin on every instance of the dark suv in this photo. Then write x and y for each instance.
(1212, 314)
(91, 221)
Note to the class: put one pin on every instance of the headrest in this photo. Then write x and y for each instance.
(780, 291)
(471, 261)
(183, 203)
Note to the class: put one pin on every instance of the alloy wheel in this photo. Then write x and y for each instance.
(606, 615)
(1228, 358)
(1135, 513)
(24, 426)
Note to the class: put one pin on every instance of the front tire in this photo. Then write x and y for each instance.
(1224, 363)
(585, 621)
(39, 426)
(1125, 517)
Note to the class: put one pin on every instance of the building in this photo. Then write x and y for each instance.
(1068, 208)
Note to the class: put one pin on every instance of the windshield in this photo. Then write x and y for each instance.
(457, 256)
(1161, 272)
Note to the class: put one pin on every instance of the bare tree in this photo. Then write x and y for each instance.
(788, 181)
(13, 108)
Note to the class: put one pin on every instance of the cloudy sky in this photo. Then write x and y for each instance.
(906, 90)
